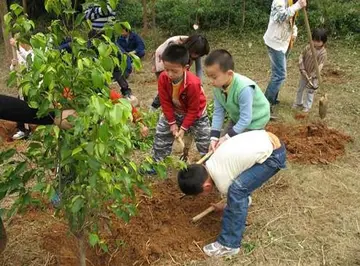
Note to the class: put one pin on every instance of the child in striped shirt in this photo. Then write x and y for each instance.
(308, 80)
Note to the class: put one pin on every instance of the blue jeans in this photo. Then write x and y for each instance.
(235, 212)
(278, 74)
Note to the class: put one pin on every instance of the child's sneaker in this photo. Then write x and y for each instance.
(19, 135)
(217, 250)
(306, 110)
(297, 106)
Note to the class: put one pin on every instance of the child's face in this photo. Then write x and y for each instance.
(124, 33)
(175, 71)
(217, 77)
(318, 44)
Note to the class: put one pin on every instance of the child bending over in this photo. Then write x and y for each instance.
(234, 94)
(238, 167)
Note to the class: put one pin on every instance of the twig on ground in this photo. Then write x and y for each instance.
(196, 244)
(273, 220)
(177, 263)
(323, 255)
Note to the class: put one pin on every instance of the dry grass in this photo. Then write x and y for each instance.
(306, 215)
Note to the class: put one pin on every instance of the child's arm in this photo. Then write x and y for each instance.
(193, 98)
(279, 12)
(321, 61)
(301, 62)
(217, 120)
(198, 68)
(245, 105)
(165, 99)
(140, 46)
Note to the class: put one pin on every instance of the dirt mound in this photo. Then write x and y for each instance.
(7, 130)
(162, 229)
(313, 143)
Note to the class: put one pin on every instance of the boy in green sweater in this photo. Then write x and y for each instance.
(238, 96)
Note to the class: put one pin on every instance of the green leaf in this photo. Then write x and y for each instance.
(93, 239)
(77, 204)
(80, 65)
(136, 62)
(56, 131)
(79, 18)
(7, 155)
(116, 114)
(113, 4)
(76, 150)
(133, 165)
(97, 79)
(99, 106)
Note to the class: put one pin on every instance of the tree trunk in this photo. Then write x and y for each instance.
(145, 18)
(153, 14)
(3, 11)
(82, 249)
(243, 14)
(3, 237)
(24, 4)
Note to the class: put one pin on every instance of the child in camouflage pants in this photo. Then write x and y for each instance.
(183, 103)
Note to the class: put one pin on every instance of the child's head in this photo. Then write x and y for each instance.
(197, 46)
(175, 59)
(219, 66)
(319, 37)
(195, 180)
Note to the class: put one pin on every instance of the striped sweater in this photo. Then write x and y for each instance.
(99, 17)
(307, 64)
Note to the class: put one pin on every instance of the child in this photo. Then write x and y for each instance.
(237, 168)
(239, 96)
(99, 17)
(183, 103)
(131, 43)
(279, 37)
(308, 80)
(22, 52)
(197, 46)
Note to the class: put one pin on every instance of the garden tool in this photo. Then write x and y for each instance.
(323, 103)
(206, 212)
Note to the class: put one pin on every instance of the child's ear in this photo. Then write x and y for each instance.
(230, 72)
(207, 186)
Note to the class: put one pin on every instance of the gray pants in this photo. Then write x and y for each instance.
(164, 138)
(305, 94)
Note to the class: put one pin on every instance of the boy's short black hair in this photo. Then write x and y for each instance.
(221, 57)
(192, 178)
(197, 44)
(176, 53)
(319, 35)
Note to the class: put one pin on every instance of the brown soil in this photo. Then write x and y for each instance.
(312, 143)
(162, 230)
(7, 129)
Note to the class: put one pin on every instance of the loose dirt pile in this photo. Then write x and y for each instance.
(162, 230)
(7, 130)
(313, 143)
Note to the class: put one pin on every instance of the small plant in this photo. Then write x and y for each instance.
(88, 169)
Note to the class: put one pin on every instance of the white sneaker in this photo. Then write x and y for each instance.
(19, 135)
(217, 250)
(306, 110)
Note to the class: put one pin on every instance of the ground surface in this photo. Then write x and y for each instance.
(306, 215)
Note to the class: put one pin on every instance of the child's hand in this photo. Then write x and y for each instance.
(13, 42)
(221, 141)
(174, 129)
(180, 134)
(302, 3)
(144, 131)
(219, 207)
(213, 144)
(14, 62)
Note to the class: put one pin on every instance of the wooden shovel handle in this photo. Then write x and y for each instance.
(205, 157)
(206, 212)
(307, 24)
